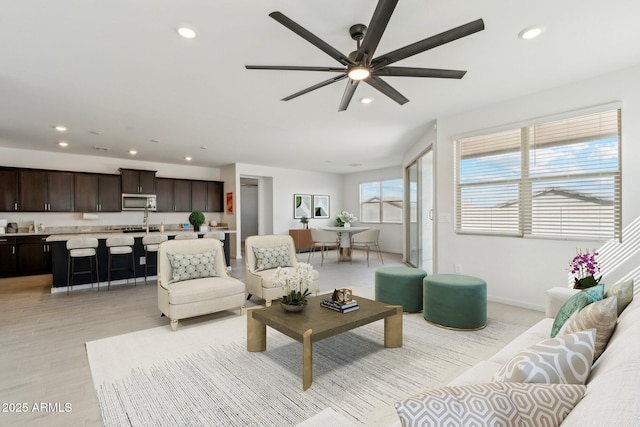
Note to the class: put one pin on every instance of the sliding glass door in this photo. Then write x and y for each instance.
(419, 216)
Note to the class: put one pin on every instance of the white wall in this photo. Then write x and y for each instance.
(78, 163)
(520, 270)
(391, 235)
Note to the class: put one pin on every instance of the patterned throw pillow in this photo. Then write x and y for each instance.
(601, 315)
(503, 404)
(623, 291)
(576, 303)
(274, 257)
(565, 359)
(192, 266)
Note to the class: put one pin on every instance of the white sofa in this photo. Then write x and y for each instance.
(260, 282)
(613, 386)
(195, 297)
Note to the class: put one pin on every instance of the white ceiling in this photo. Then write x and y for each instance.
(118, 68)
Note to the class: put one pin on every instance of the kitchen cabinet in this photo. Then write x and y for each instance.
(8, 255)
(215, 200)
(138, 181)
(45, 191)
(33, 255)
(8, 190)
(199, 196)
(173, 195)
(97, 193)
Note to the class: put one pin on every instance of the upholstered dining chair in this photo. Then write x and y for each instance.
(366, 240)
(324, 240)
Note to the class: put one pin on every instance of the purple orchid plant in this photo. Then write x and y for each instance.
(584, 266)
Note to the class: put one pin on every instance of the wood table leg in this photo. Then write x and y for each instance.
(256, 333)
(307, 360)
(393, 328)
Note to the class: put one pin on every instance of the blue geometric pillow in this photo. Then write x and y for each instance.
(576, 303)
(273, 257)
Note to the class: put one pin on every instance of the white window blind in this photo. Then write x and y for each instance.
(557, 179)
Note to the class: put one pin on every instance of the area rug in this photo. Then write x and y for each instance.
(203, 375)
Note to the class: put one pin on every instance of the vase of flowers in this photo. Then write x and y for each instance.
(345, 219)
(584, 266)
(295, 284)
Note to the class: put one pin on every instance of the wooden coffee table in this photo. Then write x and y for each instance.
(316, 323)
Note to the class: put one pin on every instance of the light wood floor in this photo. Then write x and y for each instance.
(42, 334)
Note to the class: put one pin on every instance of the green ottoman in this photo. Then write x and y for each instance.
(455, 301)
(400, 286)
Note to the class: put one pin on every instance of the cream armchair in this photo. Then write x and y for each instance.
(259, 279)
(194, 297)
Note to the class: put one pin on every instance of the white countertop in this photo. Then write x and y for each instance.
(114, 233)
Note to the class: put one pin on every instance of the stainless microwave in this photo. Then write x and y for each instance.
(139, 202)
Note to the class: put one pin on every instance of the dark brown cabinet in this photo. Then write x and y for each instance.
(8, 255)
(138, 181)
(97, 193)
(164, 193)
(199, 196)
(45, 191)
(33, 255)
(215, 200)
(8, 190)
(173, 195)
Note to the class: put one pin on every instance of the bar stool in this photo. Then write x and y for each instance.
(151, 244)
(218, 235)
(84, 247)
(186, 236)
(121, 245)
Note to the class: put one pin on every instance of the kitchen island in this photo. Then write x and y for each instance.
(59, 258)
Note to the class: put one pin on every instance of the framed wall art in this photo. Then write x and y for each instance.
(301, 206)
(320, 206)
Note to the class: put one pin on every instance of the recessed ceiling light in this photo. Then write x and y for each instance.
(60, 128)
(100, 148)
(367, 100)
(187, 32)
(355, 164)
(188, 159)
(531, 32)
(155, 140)
(133, 152)
(94, 132)
(63, 144)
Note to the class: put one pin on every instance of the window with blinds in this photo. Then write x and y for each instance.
(558, 179)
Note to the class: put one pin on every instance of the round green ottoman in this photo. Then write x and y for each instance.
(400, 286)
(455, 301)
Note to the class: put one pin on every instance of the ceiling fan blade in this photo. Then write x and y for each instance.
(348, 94)
(376, 28)
(311, 38)
(294, 68)
(420, 72)
(428, 43)
(316, 86)
(385, 88)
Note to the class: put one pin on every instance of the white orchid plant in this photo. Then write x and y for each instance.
(295, 283)
(345, 218)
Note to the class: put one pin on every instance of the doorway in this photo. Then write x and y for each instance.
(250, 202)
(419, 217)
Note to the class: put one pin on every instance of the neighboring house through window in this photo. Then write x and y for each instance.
(381, 201)
(558, 179)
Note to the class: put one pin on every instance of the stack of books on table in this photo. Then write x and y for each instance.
(342, 308)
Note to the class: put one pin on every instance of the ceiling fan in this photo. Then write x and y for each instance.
(361, 65)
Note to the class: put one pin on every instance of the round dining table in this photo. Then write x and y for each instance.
(344, 235)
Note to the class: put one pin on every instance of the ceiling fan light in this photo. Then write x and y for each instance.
(359, 73)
